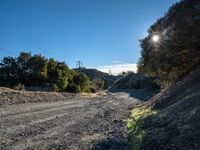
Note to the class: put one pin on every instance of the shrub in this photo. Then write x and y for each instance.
(54, 88)
(82, 82)
(36, 71)
(74, 88)
(99, 83)
(136, 81)
(93, 89)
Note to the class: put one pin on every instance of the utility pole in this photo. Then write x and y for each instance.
(79, 64)
(110, 72)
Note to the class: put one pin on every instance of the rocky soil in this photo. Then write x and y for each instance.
(176, 125)
(74, 123)
(10, 96)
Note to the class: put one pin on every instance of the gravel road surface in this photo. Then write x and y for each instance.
(74, 124)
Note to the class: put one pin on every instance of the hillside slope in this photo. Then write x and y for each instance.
(133, 81)
(109, 80)
(137, 85)
(171, 119)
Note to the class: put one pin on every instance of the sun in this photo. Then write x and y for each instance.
(155, 38)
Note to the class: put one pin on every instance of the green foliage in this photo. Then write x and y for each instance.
(54, 88)
(58, 73)
(136, 133)
(82, 80)
(132, 80)
(177, 52)
(74, 88)
(98, 77)
(37, 70)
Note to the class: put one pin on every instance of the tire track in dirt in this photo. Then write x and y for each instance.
(74, 124)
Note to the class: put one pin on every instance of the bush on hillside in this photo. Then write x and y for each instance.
(98, 83)
(38, 71)
(98, 77)
(93, 89)
(135, 81)
(74, 88)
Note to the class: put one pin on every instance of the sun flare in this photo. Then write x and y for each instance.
(155, 38)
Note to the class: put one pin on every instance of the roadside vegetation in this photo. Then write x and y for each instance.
(38, 72)
(170, 120)
(131, 80)
(99, 80)
(136, 133)
(137, 84)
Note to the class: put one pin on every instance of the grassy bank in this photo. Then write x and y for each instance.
(136, 133)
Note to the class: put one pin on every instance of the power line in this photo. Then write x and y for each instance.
(7, 51)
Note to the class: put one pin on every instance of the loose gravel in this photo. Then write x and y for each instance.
(78, 123)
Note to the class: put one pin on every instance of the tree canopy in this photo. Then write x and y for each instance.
(177, 52)
(36, 70)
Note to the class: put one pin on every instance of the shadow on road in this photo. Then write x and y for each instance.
(115, 143)
(140, 94)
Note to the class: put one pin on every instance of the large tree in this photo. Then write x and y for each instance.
(177, 52)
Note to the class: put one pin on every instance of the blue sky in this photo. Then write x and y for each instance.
(99, 32)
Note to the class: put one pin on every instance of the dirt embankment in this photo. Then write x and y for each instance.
(171, 119)
(10, 96)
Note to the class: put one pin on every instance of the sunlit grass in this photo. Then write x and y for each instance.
(136, 133)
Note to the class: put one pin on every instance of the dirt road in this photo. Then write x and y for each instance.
(96, 123)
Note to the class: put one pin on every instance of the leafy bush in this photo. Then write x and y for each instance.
(38, 71)
(74, 88)
(135, 81)
(94, 75)
(54, 88)
(82, 81)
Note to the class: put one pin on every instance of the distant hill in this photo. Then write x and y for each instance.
(95, 74)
